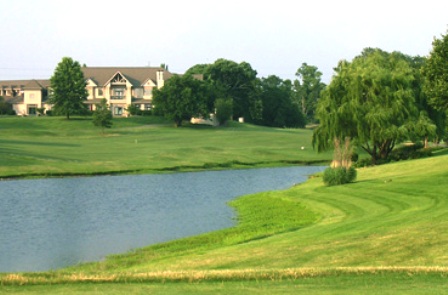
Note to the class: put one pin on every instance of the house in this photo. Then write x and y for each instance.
(120, 86)
(25, 96)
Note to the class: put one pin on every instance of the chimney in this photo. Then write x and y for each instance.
(160, 80)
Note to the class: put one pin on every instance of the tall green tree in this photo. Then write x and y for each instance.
(369, 100)
(68, 88)
(307, 89)
(278, 107)
(435, 72)
(238, 82)
(181, 98)
(102, 116)
(431, 124)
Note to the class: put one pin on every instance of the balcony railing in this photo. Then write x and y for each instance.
(117, 97)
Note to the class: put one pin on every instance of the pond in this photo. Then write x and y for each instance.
(52, 223)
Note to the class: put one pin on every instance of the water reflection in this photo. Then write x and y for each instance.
(51, 223)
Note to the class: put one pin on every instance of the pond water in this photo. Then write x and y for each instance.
(52, 223)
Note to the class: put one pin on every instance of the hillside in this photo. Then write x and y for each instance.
(387, 233)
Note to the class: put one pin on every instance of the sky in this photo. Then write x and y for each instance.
(275, 37)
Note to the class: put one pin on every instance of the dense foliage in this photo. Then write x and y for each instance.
(278, 108)
(370, 100)
(436, 74)
(307, 89)
(5, 107)
(68, 88)
(267, 101)
(339, 175)
(224, 110)
(102, 116)
(238, 82)
(181, 98)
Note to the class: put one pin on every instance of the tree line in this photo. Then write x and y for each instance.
(232, 90)
(377, 99)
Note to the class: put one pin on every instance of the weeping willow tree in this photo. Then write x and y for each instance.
(369, 100)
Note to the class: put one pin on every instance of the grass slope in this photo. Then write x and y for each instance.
(54, 146)
(385, 234)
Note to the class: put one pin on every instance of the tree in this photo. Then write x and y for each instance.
(307, 89)
(435, 72)
(68, 88)
(5, 107)
(224, 110)
(238, 82)
(102, 116)
(431, 123)
(182, 98)
(198, 69)
(278, 107)
(164, 66)
(369, 100)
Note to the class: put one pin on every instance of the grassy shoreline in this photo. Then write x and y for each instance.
(174, 169)
(56, 147)
(384, 234)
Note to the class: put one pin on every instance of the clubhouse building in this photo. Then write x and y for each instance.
(120, 86)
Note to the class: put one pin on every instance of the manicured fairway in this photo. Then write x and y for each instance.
(54, 146)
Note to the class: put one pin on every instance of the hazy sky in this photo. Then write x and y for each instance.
(275, 37)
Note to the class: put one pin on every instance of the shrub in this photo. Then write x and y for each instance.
(339, 175)
(363, 163)
(133, 110)
(415, 151)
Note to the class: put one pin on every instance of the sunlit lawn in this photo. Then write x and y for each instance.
(44, 146)
(385, 234)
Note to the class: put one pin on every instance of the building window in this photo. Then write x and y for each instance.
(118, 93)
(148, 106)
(32, 109)
(118, 111)
(100, 91)
(138, 92)
(148, 92)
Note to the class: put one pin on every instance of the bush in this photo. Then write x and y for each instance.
(365, 162)
(133, 110)
(339, 175)
(407, 152)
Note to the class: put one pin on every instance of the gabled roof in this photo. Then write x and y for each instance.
(33, 85)
(93, 81)
(118, 73)
(10, 84)
(137, 76)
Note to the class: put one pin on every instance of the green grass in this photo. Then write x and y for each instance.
(387, 233)
(54, 146)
